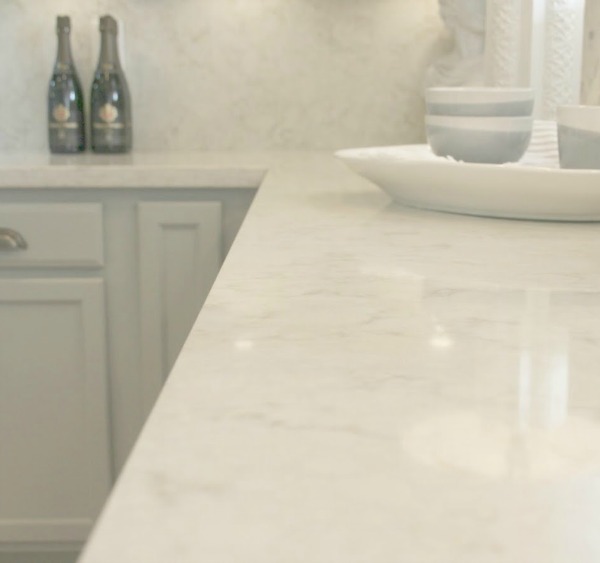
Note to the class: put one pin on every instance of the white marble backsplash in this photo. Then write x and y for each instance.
(591, 54)
(235, 74)
(245, 74)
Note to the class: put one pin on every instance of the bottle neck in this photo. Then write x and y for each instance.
(109, 52)
(64, 60)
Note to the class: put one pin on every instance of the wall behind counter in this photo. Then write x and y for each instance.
(234, 74)
(591, 54)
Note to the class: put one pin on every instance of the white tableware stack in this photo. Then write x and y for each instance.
(579, 136)
(481, 125)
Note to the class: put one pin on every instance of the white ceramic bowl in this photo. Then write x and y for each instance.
(491, 140)
(579, 136)
(480, 102)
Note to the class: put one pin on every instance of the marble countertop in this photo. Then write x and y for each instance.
(373, 383)
(134, 170)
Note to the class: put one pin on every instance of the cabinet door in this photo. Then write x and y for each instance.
(54, 448)
(180, 256)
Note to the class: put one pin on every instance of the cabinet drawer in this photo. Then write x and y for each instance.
(55, 235)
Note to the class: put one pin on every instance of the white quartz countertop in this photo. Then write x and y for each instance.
(134, 170)
(372, 383)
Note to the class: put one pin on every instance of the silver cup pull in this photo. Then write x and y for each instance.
(11, 240)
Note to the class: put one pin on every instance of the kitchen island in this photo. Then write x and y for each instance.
(373, 383)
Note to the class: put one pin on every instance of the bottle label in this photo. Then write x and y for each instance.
(108, 115)
(66, 133)
(61, 115)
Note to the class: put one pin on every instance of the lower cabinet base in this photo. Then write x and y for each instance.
(35, 554)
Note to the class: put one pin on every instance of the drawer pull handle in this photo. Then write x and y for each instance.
(11, 240)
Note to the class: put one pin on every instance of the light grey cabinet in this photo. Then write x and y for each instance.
(55, 455)
(54, 448)
(180, 256)
(93, 314)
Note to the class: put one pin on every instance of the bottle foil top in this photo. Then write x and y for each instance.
(108, 23)
(63, 24)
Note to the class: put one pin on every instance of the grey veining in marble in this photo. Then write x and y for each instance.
(242, 74)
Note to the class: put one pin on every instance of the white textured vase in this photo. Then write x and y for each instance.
(563, 48)
(504, 44)
(536, 43)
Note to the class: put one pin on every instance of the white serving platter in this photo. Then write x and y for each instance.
(534, 188)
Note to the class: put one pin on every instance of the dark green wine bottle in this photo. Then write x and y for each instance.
(66, 127)
(111, 103)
